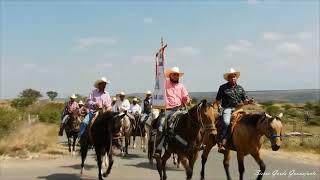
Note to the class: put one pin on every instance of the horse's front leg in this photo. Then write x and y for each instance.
(192, 159)
(99, 161)
(256, 156)
(185, 163)
(226, 161)
(205, 155)
(74, 144)
(69, 143)
(84, 152)
(164, 159)
(240, 158)
(159, 166)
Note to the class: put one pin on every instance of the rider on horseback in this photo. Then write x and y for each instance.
(146, 107)
(176, 97)
(82, 109)
(135, 107)
(122, 104)
(230, 96)
(70, 109)
(99, 99)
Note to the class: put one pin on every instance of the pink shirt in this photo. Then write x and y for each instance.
(72, 107)
(101, 98)
(176, 94)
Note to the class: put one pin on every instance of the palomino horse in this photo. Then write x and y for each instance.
(72, 129)
(139, 130)
(101, 132)
(188, 131)
(247, 139)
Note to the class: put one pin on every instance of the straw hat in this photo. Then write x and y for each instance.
(114, 99)
(101, 80)
(148, 93)
(73, 96)
(232, 71)
(122, 93)
(173, 70)
(81, 103)
(135, 99)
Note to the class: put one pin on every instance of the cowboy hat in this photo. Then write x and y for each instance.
(135, 99)
(73, 96)
(101, 80)
(114, 99)
(232, 71)
(80, 103)
(122, 93)
(173, 70)
(148, 93)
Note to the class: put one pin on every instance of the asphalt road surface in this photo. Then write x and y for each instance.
(136, 166)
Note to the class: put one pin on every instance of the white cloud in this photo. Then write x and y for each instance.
(143, 59)
(148, 20)
(92, 41)
(241, 46)
(273, 36)
(303, 35)
(29, 66)
(252, 1)
(187, 51)
(289, 48)
(104, 65)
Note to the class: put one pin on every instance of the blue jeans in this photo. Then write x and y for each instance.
(65, 119)
(226, 121)
(85, 122)
(164, 117)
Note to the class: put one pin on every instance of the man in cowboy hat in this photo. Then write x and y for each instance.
(146, 106)
(113, 103)
(230, 95)
(122, 104)
(82, 109)
(176, 97)
(135, 107)
(99, 99)
(70, 109)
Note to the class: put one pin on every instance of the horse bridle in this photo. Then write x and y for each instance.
(205, 127)
(271, 135)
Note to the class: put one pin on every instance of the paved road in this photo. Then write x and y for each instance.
(136, 166)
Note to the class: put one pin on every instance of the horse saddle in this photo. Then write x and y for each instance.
(174, 119)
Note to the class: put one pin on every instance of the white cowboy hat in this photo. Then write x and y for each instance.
(73, 96)
(135, 99)
(81, 103)
(122, 93)
(114, 99)
(173, 70)
(101, 80)
(148, 92)
(232, 71)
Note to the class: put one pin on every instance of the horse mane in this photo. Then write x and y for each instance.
(252, 119)
(104, 118)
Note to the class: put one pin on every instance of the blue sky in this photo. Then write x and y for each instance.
(65, 45)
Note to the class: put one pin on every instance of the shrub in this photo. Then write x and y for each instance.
(9, 119)
(273, 110)
(308, 106)
(49, 112)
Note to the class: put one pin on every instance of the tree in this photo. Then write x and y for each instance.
(194, 100)
(21, 102)
(52, 95)
(30, 94)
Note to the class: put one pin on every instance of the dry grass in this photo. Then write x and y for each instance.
(27, 140)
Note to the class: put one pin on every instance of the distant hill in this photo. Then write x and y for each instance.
(287, 96)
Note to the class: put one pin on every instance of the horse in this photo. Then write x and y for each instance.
(101, 131)
(246, 138)
(126, 130)
(187, 140)
(72, 129)
(138, 129)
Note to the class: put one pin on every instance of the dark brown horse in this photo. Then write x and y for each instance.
(102, 131)
(72, 130)
(138, 130)
(188, 129)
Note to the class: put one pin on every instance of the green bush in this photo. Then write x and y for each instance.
(48, 112)
(308, 106)
(21, 103)
(287, 106)
(273, 110)
(9, 119)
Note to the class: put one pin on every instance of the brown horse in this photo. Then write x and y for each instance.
(72, 129)
(187, 129)
(247, 139)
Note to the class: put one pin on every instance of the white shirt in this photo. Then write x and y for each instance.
(122, 105)
(135, 108)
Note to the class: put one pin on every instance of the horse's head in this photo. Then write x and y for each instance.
(117, 120)
(271, 127)
(205, 114)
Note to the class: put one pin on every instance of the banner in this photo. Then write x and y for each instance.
(159, 93)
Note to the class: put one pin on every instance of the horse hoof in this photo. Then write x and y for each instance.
(73, 153)
(105, 174)
(144, 150)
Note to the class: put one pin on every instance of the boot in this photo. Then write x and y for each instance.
(221, 145)
(61, 129)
